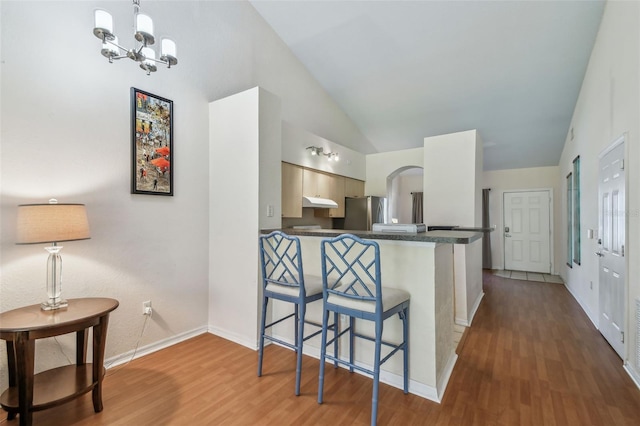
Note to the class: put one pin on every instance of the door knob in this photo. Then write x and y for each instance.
(599, 254)
(507, 235)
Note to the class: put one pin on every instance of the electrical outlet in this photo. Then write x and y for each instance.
(146, 308)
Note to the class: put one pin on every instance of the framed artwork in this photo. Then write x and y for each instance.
(152, 144)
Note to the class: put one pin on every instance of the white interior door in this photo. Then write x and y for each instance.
(612, 210)
(527, 231)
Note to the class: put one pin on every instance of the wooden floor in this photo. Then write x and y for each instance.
(532, 357)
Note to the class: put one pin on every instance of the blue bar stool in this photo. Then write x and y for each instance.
(283, 279)
(352, 286)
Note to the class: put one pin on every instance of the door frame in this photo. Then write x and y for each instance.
(551, 225)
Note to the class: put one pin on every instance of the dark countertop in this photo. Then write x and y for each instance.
(459, 228)
(464, 228)
(444, 237)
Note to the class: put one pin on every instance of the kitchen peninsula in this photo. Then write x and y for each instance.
(423, 265)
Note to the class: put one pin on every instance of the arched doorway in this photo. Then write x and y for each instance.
(400, 186)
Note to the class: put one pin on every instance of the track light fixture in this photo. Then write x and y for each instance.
(331, 156)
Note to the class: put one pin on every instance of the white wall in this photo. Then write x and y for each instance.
(65, 114)
(607, 107)
(467, 263)
(381, 165)
(244, 158)
(501, 181)
(452, 176)
(295, 141)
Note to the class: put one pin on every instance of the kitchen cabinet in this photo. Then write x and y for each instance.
(298, 182)
(336, 193)
(316, 184)
(353, 188)
(292, 178)
(338, 196)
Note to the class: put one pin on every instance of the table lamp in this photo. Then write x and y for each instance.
(52, 223)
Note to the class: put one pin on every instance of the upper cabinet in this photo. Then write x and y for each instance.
(316, 184)
(291, 190)
(298, 182)
(337, 196)
(353, 188)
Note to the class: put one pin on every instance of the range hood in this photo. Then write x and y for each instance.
(319, 203)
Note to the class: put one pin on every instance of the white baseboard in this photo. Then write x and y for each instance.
(583, 306)
(446, 375)
(153, 347)
(635, 376)
(467, 322)
(234, 337)
(476, 305)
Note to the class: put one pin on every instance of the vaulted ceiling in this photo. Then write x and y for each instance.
(406, 70)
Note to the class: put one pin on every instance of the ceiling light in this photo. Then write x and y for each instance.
(142, 53)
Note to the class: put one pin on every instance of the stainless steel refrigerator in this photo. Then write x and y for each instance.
(361, 213)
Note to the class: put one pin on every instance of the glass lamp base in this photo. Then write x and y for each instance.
(50, 305)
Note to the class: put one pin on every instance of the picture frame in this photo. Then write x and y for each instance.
(152, 150)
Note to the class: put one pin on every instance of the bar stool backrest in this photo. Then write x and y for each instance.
(281, 261)
(351, 269)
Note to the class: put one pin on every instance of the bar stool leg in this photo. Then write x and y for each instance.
(376, 373)
(352, 341)
(323, 348)
(405, 332)
(299, 340)
(261, 349)
(336, 332)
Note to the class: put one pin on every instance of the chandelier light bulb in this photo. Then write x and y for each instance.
(168, 51)
(144, 29)
(103, 24)
(168, 47)
(148, 63)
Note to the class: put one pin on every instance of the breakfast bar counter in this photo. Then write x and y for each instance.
(445, 237)
(423, 265)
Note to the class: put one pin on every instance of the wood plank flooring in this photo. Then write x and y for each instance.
(531, 357)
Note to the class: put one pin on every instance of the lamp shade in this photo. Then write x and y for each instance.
(144, 24)
(50, 223)
(103, 21)
(168, 47)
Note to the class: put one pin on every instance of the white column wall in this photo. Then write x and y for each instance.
(452, 179)
(244, 171)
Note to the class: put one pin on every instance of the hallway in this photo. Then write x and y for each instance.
(533, 357)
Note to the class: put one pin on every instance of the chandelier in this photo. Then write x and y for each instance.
(142, 53)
